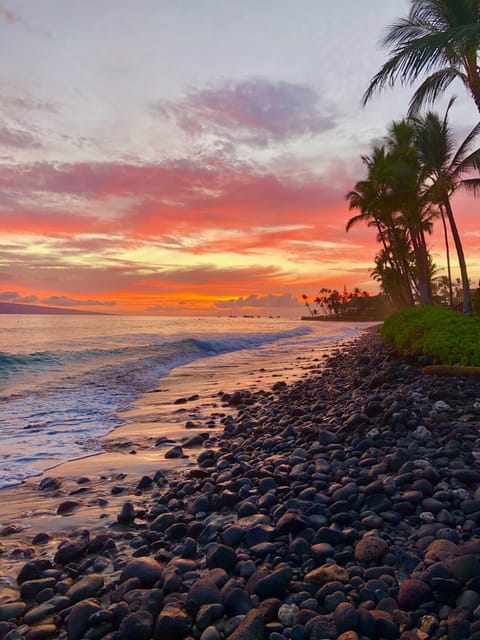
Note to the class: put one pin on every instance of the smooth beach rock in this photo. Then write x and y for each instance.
(464, 568)
(69, 551)
(207, 614)
(175, 452)
(370, 548)
(67, 507)
(202, 592)
(86, 587)
(321, 628)
(412, 594)
(221, 556)
(78, 618)
(138, 625)
(287, 614)
(46, 609)
(30, 588)
(237, 602)
(252, 627)
(12, 610)
(42, 632)
(147, 570)
(49, 484)
(270, 584)
(327, 573)
(172, 624)
(211, 633)
(33, 570)
(127, 514)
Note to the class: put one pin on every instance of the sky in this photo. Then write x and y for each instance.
(192, 157)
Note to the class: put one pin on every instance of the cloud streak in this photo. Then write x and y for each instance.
(18, 139)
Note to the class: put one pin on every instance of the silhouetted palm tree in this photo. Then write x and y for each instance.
(446, 169)
(372, 198)
(406, 178)
(439, 38)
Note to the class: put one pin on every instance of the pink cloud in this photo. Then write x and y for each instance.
(163, 200)
(257, 112)
(50, 222)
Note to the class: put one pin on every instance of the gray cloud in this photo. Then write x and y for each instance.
(256, 112)
(64, 301)
(58, 301)
(18, 139)
(14, 296)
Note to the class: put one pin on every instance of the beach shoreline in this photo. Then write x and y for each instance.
(190, 395)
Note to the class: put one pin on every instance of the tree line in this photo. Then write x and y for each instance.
(413, 172)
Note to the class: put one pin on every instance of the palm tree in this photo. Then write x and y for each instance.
(446, 169)
(394, 200)
(305, 298)
(439, 38)
(371, 197)
(406, 178)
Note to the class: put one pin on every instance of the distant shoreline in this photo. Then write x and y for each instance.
(334, 319)
(15, 308)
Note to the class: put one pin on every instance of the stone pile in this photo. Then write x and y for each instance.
(346, 505)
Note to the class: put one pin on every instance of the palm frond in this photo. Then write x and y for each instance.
(437, 36)
(432, 87)
(464, 150)
(472, 185)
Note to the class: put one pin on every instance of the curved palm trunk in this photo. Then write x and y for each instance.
(420, 251)
(467, 302)
(447, 250)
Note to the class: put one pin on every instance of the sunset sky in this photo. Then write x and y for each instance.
(192, 156)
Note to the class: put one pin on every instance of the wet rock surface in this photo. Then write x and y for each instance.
(345, 505)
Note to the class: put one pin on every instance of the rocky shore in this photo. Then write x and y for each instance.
(344, 505)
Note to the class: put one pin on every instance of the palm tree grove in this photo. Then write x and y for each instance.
(415, 169)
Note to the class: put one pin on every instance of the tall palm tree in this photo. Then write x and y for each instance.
(446, 169)
(406, 179)
(371, 197)
(439, 38)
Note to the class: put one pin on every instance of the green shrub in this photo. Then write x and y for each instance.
(448, 337)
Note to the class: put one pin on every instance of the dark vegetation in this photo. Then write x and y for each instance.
(359, 305)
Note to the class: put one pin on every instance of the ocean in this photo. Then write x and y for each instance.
(64, 380)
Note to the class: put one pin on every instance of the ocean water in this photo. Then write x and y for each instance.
(64, 379)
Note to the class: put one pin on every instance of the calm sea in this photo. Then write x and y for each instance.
(63, 379)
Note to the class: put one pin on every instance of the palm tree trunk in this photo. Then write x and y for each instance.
(400, 265)
(422, 270)
(467, 302)
(447, 250)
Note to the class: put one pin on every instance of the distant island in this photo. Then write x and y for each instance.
(31, 309)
